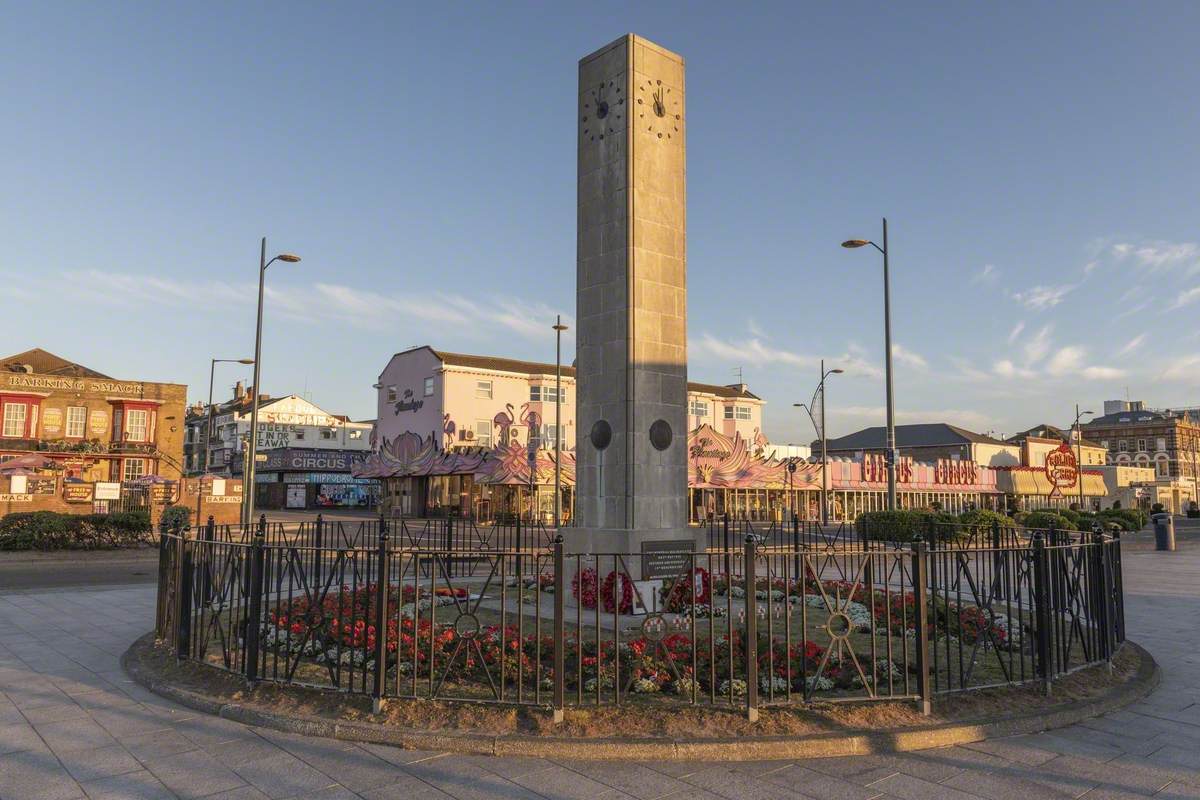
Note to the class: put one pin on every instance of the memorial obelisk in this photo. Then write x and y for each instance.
(631, 296)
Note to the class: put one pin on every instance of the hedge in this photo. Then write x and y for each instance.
(907, 525)
(50, 530)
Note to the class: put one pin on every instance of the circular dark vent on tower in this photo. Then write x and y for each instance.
(601, 435)
(660, 434)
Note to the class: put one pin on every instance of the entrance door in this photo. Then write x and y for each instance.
(296, 495)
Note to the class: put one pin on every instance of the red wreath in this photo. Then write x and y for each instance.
(583, 587)
(683, 592)
(607, 591)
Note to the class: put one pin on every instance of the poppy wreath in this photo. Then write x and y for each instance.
(685, 592)
(583, 587)
(608, 592)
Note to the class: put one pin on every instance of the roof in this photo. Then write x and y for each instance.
(929, 434)
(497, 364)
(1045, 431)
(42, 362)
(1128, 418)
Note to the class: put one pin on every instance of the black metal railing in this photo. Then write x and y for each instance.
(753, 623)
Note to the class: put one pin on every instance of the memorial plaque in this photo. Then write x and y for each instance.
(668, 558)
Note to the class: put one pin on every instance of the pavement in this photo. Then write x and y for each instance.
(72, 725)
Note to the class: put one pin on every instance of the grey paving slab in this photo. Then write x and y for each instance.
(140, 785)
(194, 773)
(36, 775)
(910, 787)
(281, 774)
(101, 762)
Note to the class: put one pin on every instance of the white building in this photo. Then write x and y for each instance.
(283, 423)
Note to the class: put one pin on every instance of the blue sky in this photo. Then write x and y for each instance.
(1037, 162)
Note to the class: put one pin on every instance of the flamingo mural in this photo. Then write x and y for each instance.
(448, 431)
(532, 421)
(505, 420)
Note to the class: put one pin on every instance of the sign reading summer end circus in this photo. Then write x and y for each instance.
(22, 381)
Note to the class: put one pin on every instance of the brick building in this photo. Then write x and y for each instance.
(91, 426)
(1167, 441)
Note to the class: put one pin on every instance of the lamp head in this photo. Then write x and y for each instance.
(836, 371)
(290, 258)
(559, 327)
(245, 361)
(850, 244)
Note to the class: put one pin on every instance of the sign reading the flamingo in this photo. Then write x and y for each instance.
(408, 403)
(1062, 469)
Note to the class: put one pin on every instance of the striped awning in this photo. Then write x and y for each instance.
(1033, 482)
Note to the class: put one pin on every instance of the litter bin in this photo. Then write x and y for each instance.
(1164, 532)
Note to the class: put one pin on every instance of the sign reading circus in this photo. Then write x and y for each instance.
(1062, 469)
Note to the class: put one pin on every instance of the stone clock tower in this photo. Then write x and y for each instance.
(631, 454)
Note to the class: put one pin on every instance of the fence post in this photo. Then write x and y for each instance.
(560, 590)
(1100, 594)
(750, 568)
(381, 617)
(999, 565)
(207, 536)
(728, 547)
(920, 581)
(796, 549)
(1041, 608)
(183, 590)
(319, 558)
(254, 611)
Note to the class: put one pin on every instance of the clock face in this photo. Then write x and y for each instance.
(658, 110)
(603, 111)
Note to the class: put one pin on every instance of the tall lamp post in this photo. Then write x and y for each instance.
(1079, 450)
(248, 472)
(212, 370)
(558, 331)
(820, 429)
(887, 346)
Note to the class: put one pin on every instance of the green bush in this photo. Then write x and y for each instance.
(175, 517)
(908, 526)
(50, 530)
(1130, 519)
(983, 518)
(1047, 519)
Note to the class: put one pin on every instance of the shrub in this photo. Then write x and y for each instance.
(908, 526)
(983, 518)
(1047, 519)
(175, 517)
(50, 530)
(1130, 519)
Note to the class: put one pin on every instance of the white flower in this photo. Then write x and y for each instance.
(644, 686)
(737, 685)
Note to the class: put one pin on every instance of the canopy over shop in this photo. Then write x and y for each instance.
(726, 474)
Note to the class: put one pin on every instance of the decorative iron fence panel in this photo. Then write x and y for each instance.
(439, 610)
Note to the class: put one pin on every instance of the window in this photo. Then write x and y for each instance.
(728, 412)
(298, 433)
(1162, 468)
(545, 436)
(133, 468)
(391, 390)
(1141, 443)
(1160, 444)
(429, 387)
(483, 432)
(77, 422)
(326, 433)
(355, 434)
(1104, 443)
(483, 390)
(14, 420)
(698, 408)
(137, 425)
(742, 412)
(1123, 445)
(544, 394)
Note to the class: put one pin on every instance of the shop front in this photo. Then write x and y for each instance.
(1056, 483)
(308, 478)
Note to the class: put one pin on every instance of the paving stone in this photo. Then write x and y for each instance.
(17, 738)
(282, 775)
(633, 779)
(727, 782)
(193, 774)
(74, 734)
(910, 787)
(1011, 783)
(1075, 775)
(560, 783)
(405, 787)
(140, 785)
(101, 762)
(466, 781)
(819, 785)
(1020, 749)
(36, 775)
(157, 744)
(240, 793)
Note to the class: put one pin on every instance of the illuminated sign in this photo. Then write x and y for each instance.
(1062, 469)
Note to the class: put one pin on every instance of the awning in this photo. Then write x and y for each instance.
(1033, 482)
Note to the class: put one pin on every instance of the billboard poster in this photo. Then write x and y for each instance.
(77, 492)
(343, 495)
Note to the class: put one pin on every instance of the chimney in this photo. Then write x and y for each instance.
(238, 390)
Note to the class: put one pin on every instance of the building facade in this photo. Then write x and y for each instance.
(283, 423)
(1166, 441)
(928, 442)
(90, 426)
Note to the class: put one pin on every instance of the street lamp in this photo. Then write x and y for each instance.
(558, 331)
(820, 429)
(248, 472)
(212, 369)
(1079, 450)
(887, 346)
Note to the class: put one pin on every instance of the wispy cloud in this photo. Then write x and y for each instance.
(1160, 255)
(1070, 361)
(988, 274)
(1016, 331)
(757, 352)
(1042, 298)
(1005, 368)
(1185, 369)
(906, 356)
(1038, 345)
(1090, 267)
(1131, 345)
(1186, 298)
